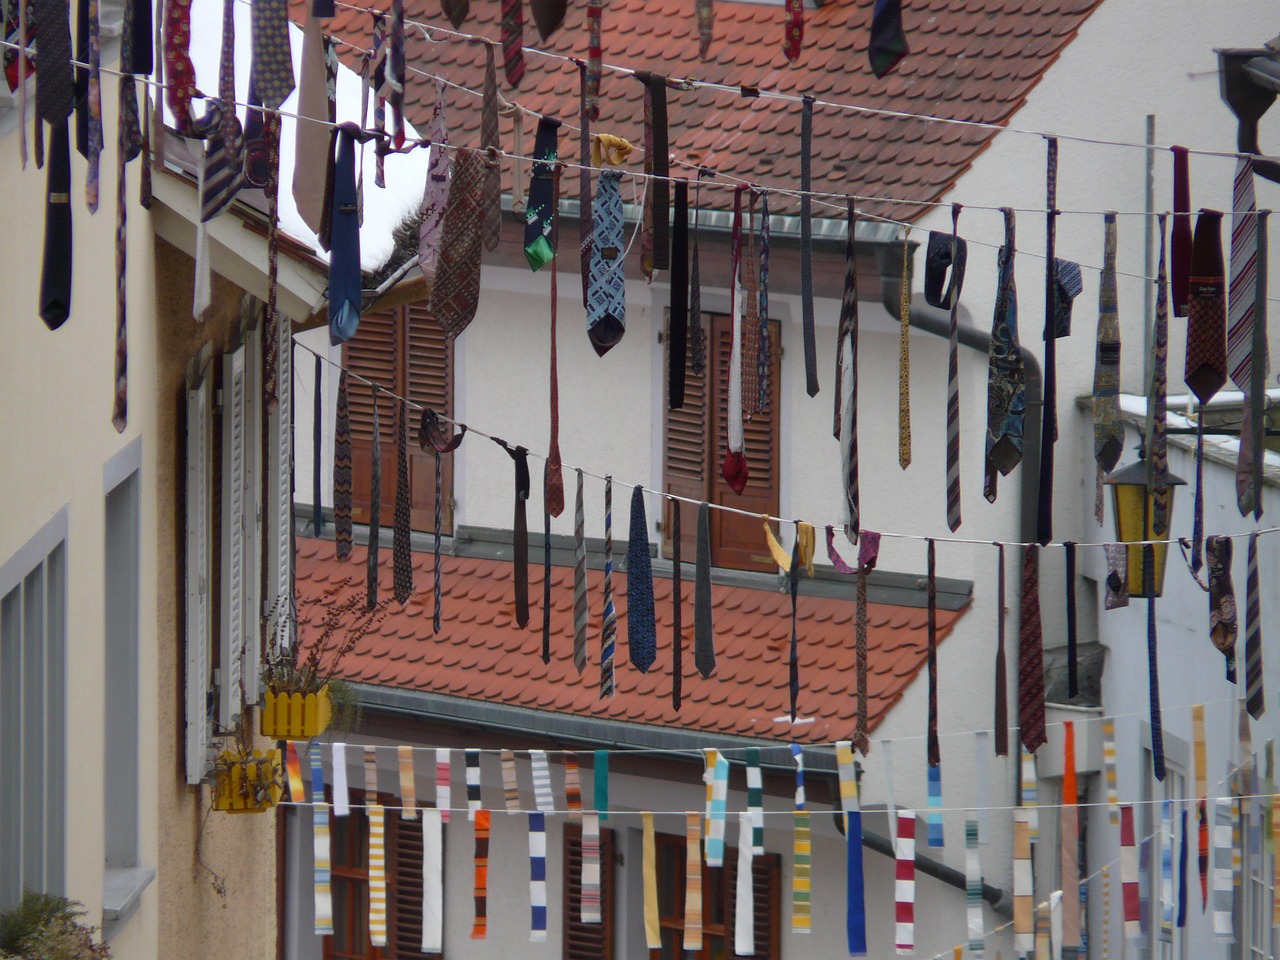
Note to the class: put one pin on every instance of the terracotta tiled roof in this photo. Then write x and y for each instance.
(975, 60)
(480, 653)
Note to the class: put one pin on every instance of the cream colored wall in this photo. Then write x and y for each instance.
(56, 435)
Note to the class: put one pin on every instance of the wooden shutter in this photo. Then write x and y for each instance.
(199, 576)
(766, 884)
(404, 888)
(231, 546)
(406, 351)
(279, 579)
(686, 471)
(253, 409)
(587, 941)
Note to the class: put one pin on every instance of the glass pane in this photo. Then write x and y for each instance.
(341, 924)
(713, 894)
(714, 948)
(10, 754)
(670, 881)
(671, 941)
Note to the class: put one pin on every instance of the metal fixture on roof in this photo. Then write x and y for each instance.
(1249, 79)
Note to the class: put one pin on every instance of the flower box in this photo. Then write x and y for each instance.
(247, 782)
(296, 716)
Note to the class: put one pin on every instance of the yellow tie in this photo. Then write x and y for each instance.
(608, 150)
(652, 934)
(807, 540)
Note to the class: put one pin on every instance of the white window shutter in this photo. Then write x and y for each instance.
(252, 609)
(280, 607)
(231, 661)
(199, 577)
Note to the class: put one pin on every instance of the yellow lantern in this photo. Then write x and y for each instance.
(1133, 504)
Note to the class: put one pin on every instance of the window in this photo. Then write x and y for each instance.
(1163, 942)
(33, 603)
(349, 849)
(718, 891)
(587, 941)
(406, 351)
(695, 449)
(120, 668)
(199, 570)
(1259, 887)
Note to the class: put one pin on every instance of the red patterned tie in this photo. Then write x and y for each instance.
(1031, 655)
(513, 41)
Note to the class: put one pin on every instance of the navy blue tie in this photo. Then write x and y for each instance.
(344, 241)
(642, 638)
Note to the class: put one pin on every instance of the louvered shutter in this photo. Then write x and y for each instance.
(279, 579)
(587, 941)
(429, 381)
(372, 353)
(231, 547)
(199, 577)
(404, 889)
(766, 885)
(686, 472)
(251, 611)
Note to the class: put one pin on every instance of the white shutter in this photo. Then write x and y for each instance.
(199, 576)
(280, 496)
(252, 609)
(231, 660)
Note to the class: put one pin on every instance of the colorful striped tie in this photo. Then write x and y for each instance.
(692, 938)
(802, 853)
(905, 888)
(408, 788)
(480, 926)
(755, 800)
(1130, 892)
(973, 889)
(1253, 634)
(1023, 898)
(538, 877)
(590, 911)
(320, 849)
(958, 257)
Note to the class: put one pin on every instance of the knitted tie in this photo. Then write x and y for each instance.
(1006, 383)
(540, 211)
(375, 509)
(609, 627)
(888, 41)
(606, 298)
(456, 291)
(457, 11)
(55, 271)
(934, 754)
(1223, 618)
(272, 69)
(705, 16)
(1049, 414)
(846, 400)
(657, 165)
(128, 143)
(678, 311)
(342, 471)
(794, 33)
(1255, 701)
(490, 195)
(1206, 353)
(1158, 463)
(584, 181)
(520, 534)
(1242, 302)
(513, 41)
(1001, 681)
(904, 356)
(704, 648)
(1181, 241)
(580, 610)
(949, 252)
(641, 630)
(1030, 655)
(1108, 431)
(344, 241)
(402, 556)
(806, 247)
(435, 194)
(677, 607)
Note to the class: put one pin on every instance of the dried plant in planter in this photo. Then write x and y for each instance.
(247, 781)
(45, 926)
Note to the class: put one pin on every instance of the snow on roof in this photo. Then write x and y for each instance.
(405, 173)
(1218, 448)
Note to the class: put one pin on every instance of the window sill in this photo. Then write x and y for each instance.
(121, 894)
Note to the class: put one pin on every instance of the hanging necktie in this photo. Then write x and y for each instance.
(344, 239)
(512, 28)
(376, 80)
(594, 65)
(456, 11)
(949, 253)
(806, 247)
(904, 849)
(973, 890)
(55, 271)
(1241, 309)
(1108, 431)
(793, 35)
(229, 130)
(677, 607)
(1153, 663)
(540, 211)
(1069, 834)
(751, 317)
(93, 105)
(1030, 655)
(691, 938)
(272, 69)
(1158, 442)
(764, 354)
(705, 17)
(1224, 851)
(435, 194)
(1001, 681)
(223, 161)
(580, 610)
(657, 242)
(456, 292)
(642, 642)
(888, 41)
(851, 814)
(1223, 618)
(489, 195)
(1206, 359)
(401, 552)
(846, 393)
(1006, 379)
(868, 554)
(22, 40)
(480, 925)
(609, 626)
(1202, 779)
(317, 444)
(934, 835)
(697, 333)
(794, 660)
(342, 530)
(1253, 634)
(1049, 413)
(704, 649)
(735, 468)
(375, 509)
(553, 471)
(395, 72)
(128, 143)
(180, 73)
(1180, 251)
(548, 16)
(904, 356)
(802, 853)
(606, 298)
(678, 311)
(271, 354)
(431, 434)
(1248, 489)
(471, 758)
(520, 534)
(931, 590)
(585, 216)
(322, 862)
(1073, 666)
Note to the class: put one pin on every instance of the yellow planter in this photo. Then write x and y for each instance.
(247, 783)
(296, 716)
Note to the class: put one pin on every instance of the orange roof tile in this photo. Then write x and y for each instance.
(481, 654)
(976, 60)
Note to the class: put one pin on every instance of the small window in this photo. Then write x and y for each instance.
(120, 675)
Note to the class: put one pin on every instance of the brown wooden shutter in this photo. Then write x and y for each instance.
(404, 350)
(685, 469)
(587, 941)
(404, 887)
(766, 884)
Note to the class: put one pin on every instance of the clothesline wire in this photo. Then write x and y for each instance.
(761, 93)
(662, 496)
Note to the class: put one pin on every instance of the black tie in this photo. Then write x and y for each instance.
(678, 322)
(55, 275)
